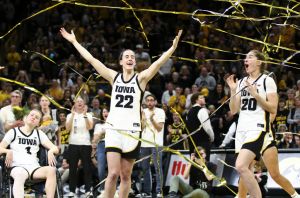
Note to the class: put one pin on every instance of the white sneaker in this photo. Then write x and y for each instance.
(88, 194)
(69, 194)
(159, 195)
(101, 195)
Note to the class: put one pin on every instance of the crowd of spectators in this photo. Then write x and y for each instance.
(103, 32)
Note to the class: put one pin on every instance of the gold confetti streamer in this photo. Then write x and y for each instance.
(141, 25)
(33, 90)
(26, 19)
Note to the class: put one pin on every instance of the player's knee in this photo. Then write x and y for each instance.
(241, 168)
(19, 174)
(200, 193)
(175, 179)
(113, 175)
(125, 176)
(275, 175)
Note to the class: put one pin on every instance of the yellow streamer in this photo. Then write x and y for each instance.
(141, 25)
(35, 14)
(33, 90)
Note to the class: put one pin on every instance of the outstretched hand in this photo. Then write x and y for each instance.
(68, 36)
(176, 40)
(51, 159)
(232, 83)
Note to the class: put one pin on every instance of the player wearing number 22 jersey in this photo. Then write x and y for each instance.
(125, 111)
(254, 130)
(124, 117)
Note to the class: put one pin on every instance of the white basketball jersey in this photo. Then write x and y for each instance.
(252, 116)
(24, 147)
(125, 105)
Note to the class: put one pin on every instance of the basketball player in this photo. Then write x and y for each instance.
(254, 136)
(24, 145)
(125, 111)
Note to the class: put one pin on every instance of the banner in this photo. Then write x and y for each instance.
(177, 166)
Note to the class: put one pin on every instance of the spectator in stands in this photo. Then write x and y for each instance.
(79, 122)
(95, 110)
(188, 98)
(45, 108)
(7, 115)
(297, 94)
(200, 180)
(297, 140)
(62, 133)
(205, 80)
(196, 117)
(40, 83)
(64, 169)
(177, 101)
(23, 77)
(177, 131)
(168, 93)
(49, 127)
(154, 120)
(32, 101)
(55, 90)
(282, 114)
(217, 97)
(103, 98)
(6, 89)
(185, 77)
(287, 141)
(35, 69)
(141, 54)
(99, 144)
(290, 98)
(294, 116)
(13, 58)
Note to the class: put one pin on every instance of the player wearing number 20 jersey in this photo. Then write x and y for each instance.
(251, 113)
(125, 105)
(253, 130)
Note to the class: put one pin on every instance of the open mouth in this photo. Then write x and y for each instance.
(129, 63)
(246, 65)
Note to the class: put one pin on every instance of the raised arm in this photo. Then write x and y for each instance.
(105, 72)
(235, 101)
(146, 75)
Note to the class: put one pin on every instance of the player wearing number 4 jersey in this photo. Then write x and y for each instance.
(125, 111)
(255, 96)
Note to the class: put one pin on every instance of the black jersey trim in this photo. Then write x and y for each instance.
(24, 133)
(15, 133)
(138, 83)
(116, 77)
(128, 80)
